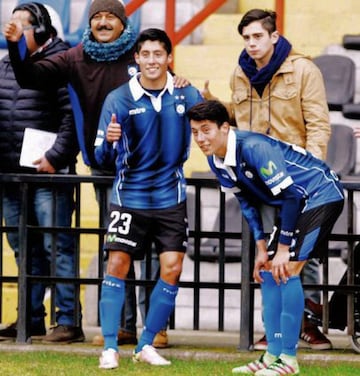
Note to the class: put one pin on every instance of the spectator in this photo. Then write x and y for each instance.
(279, 92)
(258, 168)
(144, 129)
(46, 110)
(102, 62)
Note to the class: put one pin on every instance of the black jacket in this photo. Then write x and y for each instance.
(48, 109)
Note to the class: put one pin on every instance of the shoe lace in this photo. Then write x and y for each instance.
(260, 361)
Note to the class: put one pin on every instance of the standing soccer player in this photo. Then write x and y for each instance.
(144, 130)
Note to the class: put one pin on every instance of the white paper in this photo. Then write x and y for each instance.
(35, 143)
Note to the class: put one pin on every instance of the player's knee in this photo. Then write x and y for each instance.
(171, 273)
(118, 264)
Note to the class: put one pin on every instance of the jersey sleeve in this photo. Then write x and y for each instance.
(268, 160)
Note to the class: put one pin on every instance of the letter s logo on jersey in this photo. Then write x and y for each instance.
(269, 170)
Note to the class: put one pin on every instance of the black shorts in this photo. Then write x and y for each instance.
(134, 230)
(311, 233)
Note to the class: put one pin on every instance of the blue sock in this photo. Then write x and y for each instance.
(111, 303)
(291, 315)
(162, 304)
(271, 303)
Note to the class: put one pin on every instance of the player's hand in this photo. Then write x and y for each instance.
(261, 260)
(13, 30)
(180, 82)
(280, 264)
(43, 165)
(113, 132)
(206, 93)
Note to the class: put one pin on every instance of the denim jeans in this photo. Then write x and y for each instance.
(42, 211)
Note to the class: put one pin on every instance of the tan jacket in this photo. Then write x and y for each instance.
(293, 108)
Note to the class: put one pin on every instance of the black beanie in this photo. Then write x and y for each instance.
(115, 7)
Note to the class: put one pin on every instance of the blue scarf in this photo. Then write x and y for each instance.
(260, 78)
(109, 51)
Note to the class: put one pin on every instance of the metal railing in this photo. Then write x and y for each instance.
(244, 285)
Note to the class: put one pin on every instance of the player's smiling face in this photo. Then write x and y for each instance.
(210, 138)
(153, 61)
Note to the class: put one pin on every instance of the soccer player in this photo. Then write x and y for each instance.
(144, 130)
(260, 169)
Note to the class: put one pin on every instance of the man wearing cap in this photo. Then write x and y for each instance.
(102, 62)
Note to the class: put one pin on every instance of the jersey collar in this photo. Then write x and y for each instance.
(138, 91)
(230, 157)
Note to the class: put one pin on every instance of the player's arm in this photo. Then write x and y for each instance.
(292, 204)
(315, 112)
(108, 135)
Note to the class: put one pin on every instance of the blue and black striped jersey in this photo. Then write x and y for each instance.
(258, 168)
(153, 146)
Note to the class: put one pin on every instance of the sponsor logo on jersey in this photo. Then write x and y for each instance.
(269, 170)
(286, 233)
(136, 111)
(111, 238)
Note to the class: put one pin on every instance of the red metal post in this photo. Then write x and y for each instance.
(133, 5)
(280, 11)
(170, 17)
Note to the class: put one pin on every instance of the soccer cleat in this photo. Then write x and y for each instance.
(149, 355)
(285, 365)
(249, 369)
(109, 359)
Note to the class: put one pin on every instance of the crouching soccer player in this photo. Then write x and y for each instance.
(309, 197)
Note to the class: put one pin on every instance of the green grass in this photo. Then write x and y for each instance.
(65, 364)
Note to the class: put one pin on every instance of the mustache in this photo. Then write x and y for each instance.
(104, 27)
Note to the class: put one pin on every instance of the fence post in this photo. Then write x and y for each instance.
(247, 292)
(24, 296)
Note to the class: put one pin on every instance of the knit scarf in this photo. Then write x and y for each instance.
(108, 51)
(260, 78)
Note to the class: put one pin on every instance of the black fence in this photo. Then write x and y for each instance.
(214, 236)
